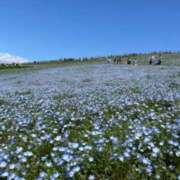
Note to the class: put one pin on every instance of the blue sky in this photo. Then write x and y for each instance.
(48, 29)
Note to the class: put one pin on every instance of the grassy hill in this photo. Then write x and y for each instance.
(168, 58)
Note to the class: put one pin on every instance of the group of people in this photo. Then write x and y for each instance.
(132, 61)
(153, 60)
(115, 60)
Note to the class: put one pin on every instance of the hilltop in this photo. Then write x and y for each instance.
(168, 58)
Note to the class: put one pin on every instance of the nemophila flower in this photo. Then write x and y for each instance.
(49, 164)
(171, 167)
(156, 150)
(138, 135)
(81, 148)
(58, 161)
(95, 133)
(121, 158)
(24, 139)
(149, 169)
(43, 158)
(158, 176)
(5, 174)
(91, 159)
(174, 143)
(46, 137)
(3, 127)
(13, 176)
(4, 156)
(91, 177)
(54, 176)
(28, 153)
(3, 164)
(53, 154)
(66, 134)
(67, 157)
(62, 149)
(145, 161)
(114, 139)
(23, 159)
(126, 154)
(87, 147)
(178, 177)
(12, 166)
(100, 141)
(42, 174)
(34, 135)
(86, 135)
(151, 145)
(58, 138)
(100, 148)
(74, 145)
(175, 135)
(55, 148)
(19, 150)
(161, 143)
(178, 153)
(147, 139)
(74, 170)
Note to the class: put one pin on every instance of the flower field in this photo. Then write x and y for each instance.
(98, 121)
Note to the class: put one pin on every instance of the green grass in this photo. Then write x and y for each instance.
(167, 59)
(45, 65)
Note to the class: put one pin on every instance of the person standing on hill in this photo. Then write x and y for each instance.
(155, 61)
(159, 61)
(152, 59)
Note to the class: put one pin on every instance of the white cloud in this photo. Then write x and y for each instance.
(6, 58)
